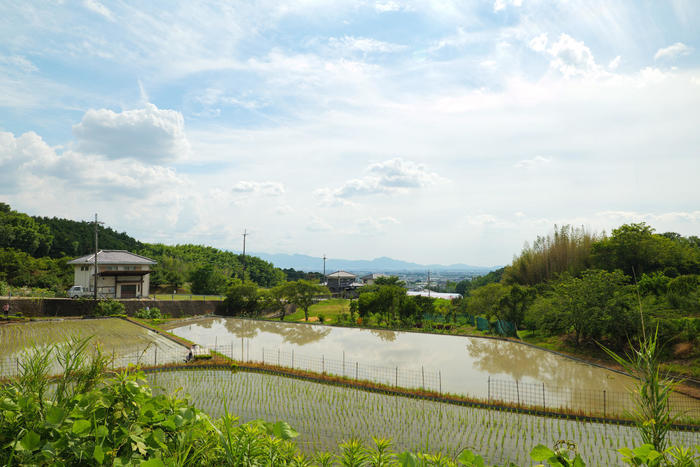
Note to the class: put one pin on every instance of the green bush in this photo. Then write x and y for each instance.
(109, 307)
(149, 313)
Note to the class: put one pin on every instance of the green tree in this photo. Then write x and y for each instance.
(595, 304)
(207, 279)
(486, 300)
(276, 298)
(514, 304)
(302, 294)
(21, 232)
(243, 298)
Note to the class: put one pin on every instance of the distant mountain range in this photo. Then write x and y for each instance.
(383, 264)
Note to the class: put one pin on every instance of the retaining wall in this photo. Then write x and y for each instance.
(62, 307)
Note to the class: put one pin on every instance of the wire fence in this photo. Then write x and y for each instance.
(538, 396)
(423, 378)
(602, 403)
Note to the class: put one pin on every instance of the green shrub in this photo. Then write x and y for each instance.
(109, 307)
(321, 318)
(149, 313)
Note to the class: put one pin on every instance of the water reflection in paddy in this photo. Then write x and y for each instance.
(465, 363)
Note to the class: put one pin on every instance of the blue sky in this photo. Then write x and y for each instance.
(429, 131)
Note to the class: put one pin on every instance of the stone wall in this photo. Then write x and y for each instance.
(60, 307)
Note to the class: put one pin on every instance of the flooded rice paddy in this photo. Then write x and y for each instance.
(326, 415)
(125, 342)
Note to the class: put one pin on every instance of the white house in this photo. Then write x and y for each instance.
(120, 274)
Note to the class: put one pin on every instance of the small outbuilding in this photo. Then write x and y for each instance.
(340, 281)
(120, 274)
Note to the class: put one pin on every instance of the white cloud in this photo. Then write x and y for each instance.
(18, 62)
(372, 225)
(614, 63)
(266, 188)
(499, 5)
(391, 176)
(572, 57)
(671, 52)
(149, 134)
(316, 224)
(364, 44)
(384, 7)
(536, 161)
(539, 43)
(27, 158)
(97, 7)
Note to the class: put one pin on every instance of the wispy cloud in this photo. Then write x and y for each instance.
(671, 52)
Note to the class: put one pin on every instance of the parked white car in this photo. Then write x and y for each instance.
(78, 291)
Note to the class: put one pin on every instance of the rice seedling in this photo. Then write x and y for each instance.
(124, 342)
(325, 415)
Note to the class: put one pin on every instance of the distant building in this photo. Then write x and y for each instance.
(370, 278)
(120, 274)
(341, 281)
(430, 293)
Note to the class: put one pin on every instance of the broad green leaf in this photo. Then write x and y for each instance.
(101, 432)
(282, 430)
(470, 459)
(80, 427)
(55, 415)
(541, 453)
(578, 462)
(153, 462)
(30, 441)
(408, 459)
(98, 454)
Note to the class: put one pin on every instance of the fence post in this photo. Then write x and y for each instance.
(604, 405)
(17, 363)
(440, 379)
(357, 366)
(323, 364)
(292, 358)
(396, 383)
(489, 389)
(241, 349)
(263, 355)
(544, 403)
(517, 389)
(155, 357)
(422, 372)
(278, 357)
(343, 364)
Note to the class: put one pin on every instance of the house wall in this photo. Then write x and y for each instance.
(106, 285)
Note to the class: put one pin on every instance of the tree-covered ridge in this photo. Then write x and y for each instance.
(77, 238)
(34, 252)
(206, 267)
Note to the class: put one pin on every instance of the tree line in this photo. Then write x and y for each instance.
(34, 252)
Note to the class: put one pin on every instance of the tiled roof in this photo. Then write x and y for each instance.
(342, 274)
(113, 257)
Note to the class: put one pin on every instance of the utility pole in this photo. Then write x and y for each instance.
(324, 267)
(428, 282)
(96, 224)
(245, 234)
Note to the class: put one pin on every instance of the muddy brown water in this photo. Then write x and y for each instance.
(470, 366)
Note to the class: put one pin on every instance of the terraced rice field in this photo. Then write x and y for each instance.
(326, 414)
(126, 342)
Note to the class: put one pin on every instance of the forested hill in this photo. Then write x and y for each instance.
(77, 238)
(34, 252)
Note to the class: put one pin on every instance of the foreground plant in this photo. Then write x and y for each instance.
(651, 393)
